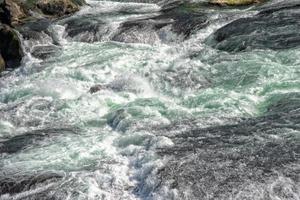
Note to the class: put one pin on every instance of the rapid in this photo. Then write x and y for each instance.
(180, 112)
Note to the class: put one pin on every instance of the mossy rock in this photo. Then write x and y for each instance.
(2, 64)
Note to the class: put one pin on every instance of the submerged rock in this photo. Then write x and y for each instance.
(275, 28)
(31, 139)
(10, 47)
(45, 51)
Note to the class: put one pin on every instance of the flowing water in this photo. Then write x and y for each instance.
(175, 117)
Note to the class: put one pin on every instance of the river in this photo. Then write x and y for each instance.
(175, 113)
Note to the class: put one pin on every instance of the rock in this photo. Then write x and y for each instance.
(31, 139)
(33, 29)
(219, 162)
(272, 28)
(13, 12)
(10, 47)
(16, 11)
(182, 23)
(59, 7)
(2, 64)
(96, 88)
(85, 29)
(235, 2)
(45, 51)
(16, 183)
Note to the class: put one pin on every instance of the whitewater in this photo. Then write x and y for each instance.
(174, 114)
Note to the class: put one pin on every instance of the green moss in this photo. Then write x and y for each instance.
(191, 7)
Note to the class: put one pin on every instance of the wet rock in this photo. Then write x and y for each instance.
(273, 7)
(59, 7)
(46, 51)
(13, 183)
(96, 88)
(223, 162)
(272, 28)
(20, 142)
(180, 22)
(10, 47)
(85, 29)
(35, 29)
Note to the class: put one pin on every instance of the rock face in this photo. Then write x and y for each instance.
(235, 2)
(59, 7)
(273, 28)
(10, 47)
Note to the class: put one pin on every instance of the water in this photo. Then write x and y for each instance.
(175, 118)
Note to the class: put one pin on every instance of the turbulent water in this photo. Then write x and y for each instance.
(198, 109)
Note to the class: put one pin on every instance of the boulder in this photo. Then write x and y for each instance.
(10, 47)
(59, 7)
(85, 29)
(172, 18)
(12, 12)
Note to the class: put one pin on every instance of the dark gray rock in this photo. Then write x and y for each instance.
(34, 29)
(26, 140)
(180, 21)
(222, 162)
(13, 183)
(274, 28)
(84, 29)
